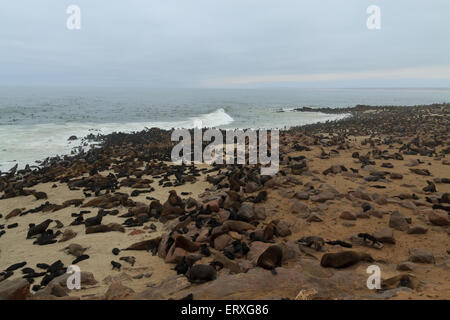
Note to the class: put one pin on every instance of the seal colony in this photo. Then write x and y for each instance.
(370, 189)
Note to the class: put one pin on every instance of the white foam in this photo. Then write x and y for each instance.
(24, 144)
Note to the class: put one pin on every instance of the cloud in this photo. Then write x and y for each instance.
(417, 73)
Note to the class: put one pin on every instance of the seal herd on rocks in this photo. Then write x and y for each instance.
(369, 189)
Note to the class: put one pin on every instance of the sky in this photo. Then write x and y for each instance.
(225, 43)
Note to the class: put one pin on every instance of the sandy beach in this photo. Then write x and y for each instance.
(376, 184)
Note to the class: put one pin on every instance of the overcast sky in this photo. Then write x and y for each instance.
(226, 43)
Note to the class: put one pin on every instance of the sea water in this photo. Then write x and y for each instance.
(36, 122)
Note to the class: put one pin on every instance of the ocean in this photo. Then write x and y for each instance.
(36, 122)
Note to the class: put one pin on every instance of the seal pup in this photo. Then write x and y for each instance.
(75, 249)
(116, 265)
(80, 258)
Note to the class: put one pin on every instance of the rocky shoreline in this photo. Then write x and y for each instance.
(370, 189)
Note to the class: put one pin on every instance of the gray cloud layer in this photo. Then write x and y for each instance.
(225, 43)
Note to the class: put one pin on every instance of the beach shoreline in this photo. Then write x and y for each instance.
(383, 172)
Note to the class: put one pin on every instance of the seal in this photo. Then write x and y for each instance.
(270, 258)
(38, 229)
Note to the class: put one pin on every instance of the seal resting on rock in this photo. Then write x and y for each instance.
(271, 258)
(201, 273)
(344, 259)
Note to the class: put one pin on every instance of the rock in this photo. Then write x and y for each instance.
(213, 205)
(301, 195)
(238, 226)
(406, 266)
(346, 215)
(260, 213)
(166, 288)
(246, 212)
(145, 245)
(201, 273)
(385, 235)
(314, 218)
(17, 289)
(222, 241)
(251, 187)
(323, 196)
(260, 284)
(398, 222)
(417, 229)
(344, 259)
(283, 229)
(231, 265)
(420, 256)
(402, 280)
(396, 176)
(117, 291)
(438, 218)
(300, 208)
(256, 249)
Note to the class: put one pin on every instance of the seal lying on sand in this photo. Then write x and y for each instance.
(344, 259)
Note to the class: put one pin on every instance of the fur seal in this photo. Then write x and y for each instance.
(93, 221)
(80, 258)
(344, 259)
(201, 273)
(16, 266)
(75, 249)
(270, 258)
(131, 260)
(67, 235)
(38, 229)
(116, 265)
